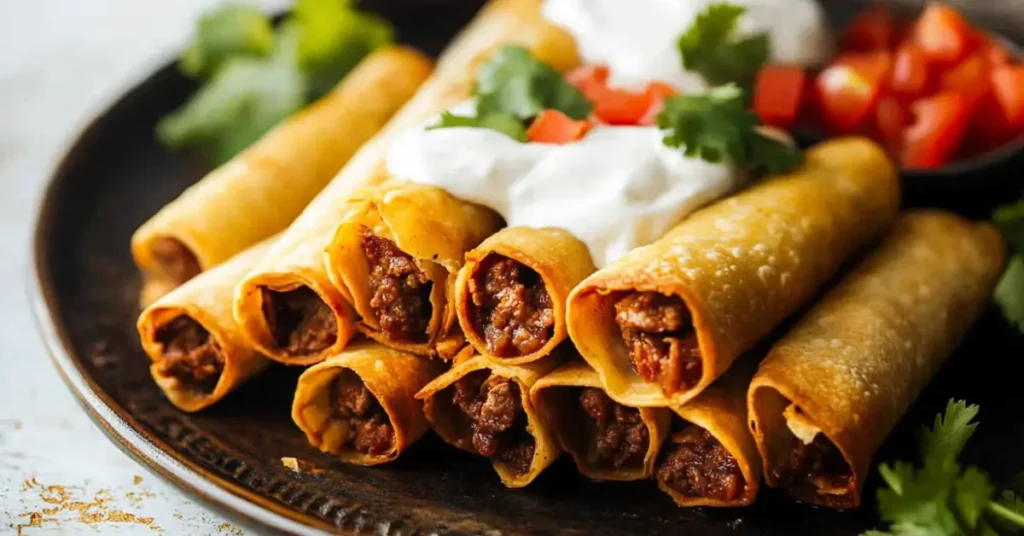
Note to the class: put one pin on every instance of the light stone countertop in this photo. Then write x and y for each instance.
(61, 62)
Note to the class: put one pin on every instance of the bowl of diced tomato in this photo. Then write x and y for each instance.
(944, 96)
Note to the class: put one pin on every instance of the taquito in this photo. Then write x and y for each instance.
(662, 322)
(260, 191)
(837, 383)
(485, 409)
(710, 458)
(360, 405)
(510, 296)
(292, 283)
(607, 440)
(394, 257)
(198, 352)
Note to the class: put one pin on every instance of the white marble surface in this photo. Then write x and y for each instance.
(60, 62)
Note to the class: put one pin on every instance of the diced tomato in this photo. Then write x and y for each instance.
(938, 128)
(988, 128)
(588, 78)
(778, 93)
(1008, 89)
(943, 33)
(849, 88)
(891, 118)
(969, 76)
(909, 71)
(656, 94)
(994, 51)
(871, 30)
(552, 126)
(620, 107)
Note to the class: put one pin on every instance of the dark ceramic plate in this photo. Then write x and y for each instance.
(85, 289)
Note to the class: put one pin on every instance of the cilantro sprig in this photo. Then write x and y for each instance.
(711, 48)
(253, 77)
(717, 126)
(511, 88)
(1009, 293)
(939, 497)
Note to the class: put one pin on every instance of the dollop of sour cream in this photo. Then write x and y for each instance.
(616, 189)
(637, 39)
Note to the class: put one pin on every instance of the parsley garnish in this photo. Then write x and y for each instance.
(1009, 293)
(710, 48)
(512, 88)
(254, 77)
(939, 498)
(717, 126)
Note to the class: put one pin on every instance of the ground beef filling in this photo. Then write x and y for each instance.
(300, 322)
(815, 469)
(190, 355)
(615, 434)
(659, 334)
(695, 464)
(369, 429)
(494, 408)
(177, 261)
(400, 291)
(511, 308)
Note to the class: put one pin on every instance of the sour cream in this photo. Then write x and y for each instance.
(616, 189)
(637, 39)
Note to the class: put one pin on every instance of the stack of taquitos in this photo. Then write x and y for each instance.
(661, 323)
(199, 354)
(292, 282)
(830, 391)
(260, 191)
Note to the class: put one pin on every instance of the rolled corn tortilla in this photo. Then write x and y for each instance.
(395, 257)
(832, 389)
(485, 409)
(198, 352)
(710, 458)
(360, 405)
(661, 323)
(510, 296)
(297, 260)
(260, 191)
(607, 440)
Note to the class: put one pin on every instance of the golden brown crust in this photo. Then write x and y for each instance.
(392, 376)
(561, 260)
(722, 410)
(578, 374)
(207, 300)
(742, 264)
(260, 191)
(447, 425)
(856, 361)
(297, 258)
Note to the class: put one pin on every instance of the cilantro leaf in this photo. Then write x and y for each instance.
(972, 494)
(504, 123)
(229, 31)
(942, 443)
(516, 83)
(244, 99)
(1010, 220)
(717, 126)
(333, 38)
(710, 48)
(1009, 292)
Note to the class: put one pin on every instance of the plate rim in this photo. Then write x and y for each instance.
(214, 492)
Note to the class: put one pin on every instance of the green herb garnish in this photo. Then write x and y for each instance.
(709, 47)
(717, 126)
(255, 77)
(512, 88)
(939, 498)
(1009, 293)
